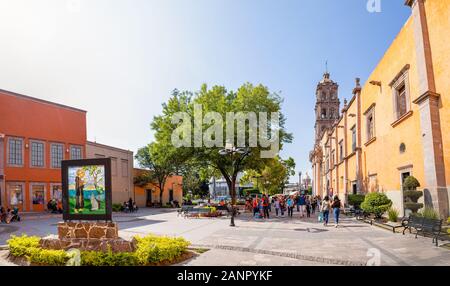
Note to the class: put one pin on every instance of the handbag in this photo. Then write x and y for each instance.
(320, 217)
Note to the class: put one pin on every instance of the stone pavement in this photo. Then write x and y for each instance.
(278, 241)
(220, 257)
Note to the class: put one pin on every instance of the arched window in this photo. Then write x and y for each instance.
(332, 113)
(323, 114)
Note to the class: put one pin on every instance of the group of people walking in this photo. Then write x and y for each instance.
(328, 206)
(304, 204)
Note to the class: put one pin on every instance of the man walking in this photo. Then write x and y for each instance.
(265, 203)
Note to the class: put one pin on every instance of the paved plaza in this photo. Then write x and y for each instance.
(278, 241)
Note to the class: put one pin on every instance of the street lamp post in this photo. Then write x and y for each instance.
(231, 151)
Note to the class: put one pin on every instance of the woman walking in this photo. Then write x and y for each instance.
(325, 209)
(319, 202)
(313, 205)
(282, 206)
(255, 206)
(290, 205)
(336, 205)
(277, 206)
(308, 206)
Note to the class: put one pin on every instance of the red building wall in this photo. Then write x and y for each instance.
(28, 119)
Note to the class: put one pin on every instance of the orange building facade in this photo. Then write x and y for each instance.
(148, 195)
(35, 136)
(394, 125)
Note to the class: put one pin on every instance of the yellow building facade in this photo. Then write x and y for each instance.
(395, 124)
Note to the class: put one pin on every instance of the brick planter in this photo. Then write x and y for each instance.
(88, 230)
(91, 236)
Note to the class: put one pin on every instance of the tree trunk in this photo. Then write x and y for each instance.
(161, 189)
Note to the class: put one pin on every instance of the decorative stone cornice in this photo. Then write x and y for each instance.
(427, 95)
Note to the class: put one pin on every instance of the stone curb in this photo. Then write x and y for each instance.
(284, 254)
(4, 247)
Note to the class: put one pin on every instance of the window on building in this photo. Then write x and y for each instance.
(170, 195)
(401, 101)
(332, 115)
(370, 123)
(323, 113)
(400, 86)
(124, 168)
(76, 152)
(15, 151)
(56, 154)
(341, 150)
(402, 148)
(353, 138)
(37, 153)
(15, 191)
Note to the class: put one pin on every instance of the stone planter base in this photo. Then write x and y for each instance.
(93, 244)
(90, 236)
(88, 230)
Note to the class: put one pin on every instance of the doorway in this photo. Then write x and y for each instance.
(354, 188)
(170, 195)
(404, 175)
(149, 199)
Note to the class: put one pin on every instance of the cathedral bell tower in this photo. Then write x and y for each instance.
(327, 105)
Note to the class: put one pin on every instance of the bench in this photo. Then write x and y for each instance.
(197, 212)
(424, 226)
(184, 210)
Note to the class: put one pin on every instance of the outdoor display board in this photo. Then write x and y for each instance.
(86, 186)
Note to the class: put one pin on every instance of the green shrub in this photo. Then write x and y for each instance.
(376, 203)
(429, 212)
(448, 220)
(393, 214)
(48, 257)
(154, 249)
(414, 207)
(212, 209)
(96, 258)
(411, 183)
(117, 207)
(150, 249)
(22, 245)
(28, 246)
(248, 192)
(355, 200)
(411, 195)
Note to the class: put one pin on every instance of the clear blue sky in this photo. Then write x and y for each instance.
(120, 59)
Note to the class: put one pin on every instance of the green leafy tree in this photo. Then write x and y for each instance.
(411, 194)
(248, 98)
(273, 175)
(161, 160)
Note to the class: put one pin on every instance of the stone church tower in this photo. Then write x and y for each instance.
(327, 105)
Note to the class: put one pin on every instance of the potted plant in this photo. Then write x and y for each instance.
(411, 194)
